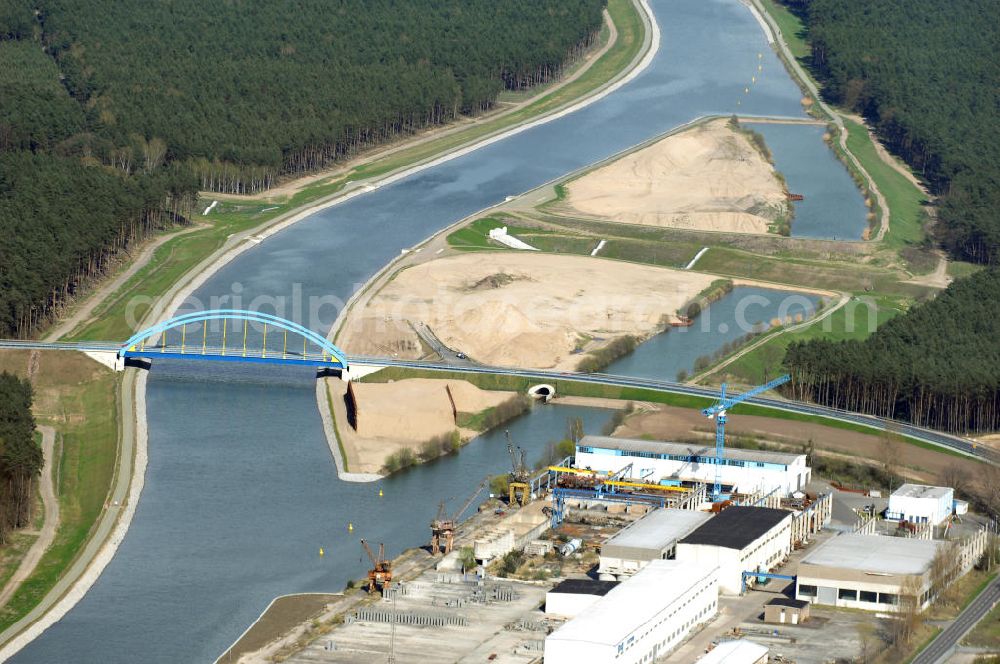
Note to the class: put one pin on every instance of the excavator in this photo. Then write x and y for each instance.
(380, 575)
(443, 526)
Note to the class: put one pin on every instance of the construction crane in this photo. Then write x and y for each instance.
(520, 475)
(443, 526)
(719, 410)
(380, 575)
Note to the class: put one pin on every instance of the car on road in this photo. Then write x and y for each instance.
(461, 356)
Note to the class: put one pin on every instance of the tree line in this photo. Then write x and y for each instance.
(245, 92)
(928, 80)
(109, 127)
(936, 366)
(20, 455)
(926, 77)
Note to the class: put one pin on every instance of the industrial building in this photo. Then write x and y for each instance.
(743, 471)
(640, 619)
(866, 571)
(653, 537)
(572, 596)
(739, 539)
(782, 610)
(737, 651)
(919, 503)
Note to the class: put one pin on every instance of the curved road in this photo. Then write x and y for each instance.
(941, 439)
(941, 647)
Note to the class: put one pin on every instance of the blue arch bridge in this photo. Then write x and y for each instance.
(234, 335)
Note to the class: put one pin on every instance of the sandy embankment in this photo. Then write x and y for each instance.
(708, 177)
(520, 309)
(404, 413)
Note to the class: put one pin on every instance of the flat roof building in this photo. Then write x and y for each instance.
(737, 651)
(570, 597)
(745, 471)
(740, 539)
(640, 619)
(782, 610)
(920, 503)
(866, 571)
(653, 537)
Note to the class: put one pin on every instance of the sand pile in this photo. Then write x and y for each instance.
(553, 306)
(417, 409)
(709, 177)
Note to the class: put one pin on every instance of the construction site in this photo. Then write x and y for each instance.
(642, 550)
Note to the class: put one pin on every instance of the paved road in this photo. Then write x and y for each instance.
(942, 646)
(956, 443)
(51, 509)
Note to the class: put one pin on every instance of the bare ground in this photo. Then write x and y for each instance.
(708, 177)
(402, 414)
(519, 309)
(671, 423)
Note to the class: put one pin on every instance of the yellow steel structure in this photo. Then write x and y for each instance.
(619, 483)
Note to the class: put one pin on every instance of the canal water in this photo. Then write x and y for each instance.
(240, 489)
(745, 310)
(833, 207)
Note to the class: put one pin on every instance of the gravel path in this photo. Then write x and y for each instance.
(51, 508)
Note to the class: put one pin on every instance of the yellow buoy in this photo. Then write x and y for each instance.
(380, 492)
(760, 67)
(350, 527)
(753, 80)
(746, 90)
(760, 55)
(320, 552)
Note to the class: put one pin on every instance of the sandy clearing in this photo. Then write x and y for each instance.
(708, 177)
(671, 423)
(408, 413)
(417, 409)
(526, 310)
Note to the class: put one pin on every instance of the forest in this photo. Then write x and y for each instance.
(937, 366)
(927, 78)
(20, 455)
(113, 114)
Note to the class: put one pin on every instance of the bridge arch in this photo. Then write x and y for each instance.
(330, 354)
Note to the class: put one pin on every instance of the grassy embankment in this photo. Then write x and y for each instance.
(179, 255)
(77, 397)
(570, 387)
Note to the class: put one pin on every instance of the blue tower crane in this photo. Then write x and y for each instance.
(718, 411)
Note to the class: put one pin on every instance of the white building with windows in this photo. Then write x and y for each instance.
(640, 619)
(739, 539)
(653, 537)
(919, 503)
(866, 571)
(744, 471)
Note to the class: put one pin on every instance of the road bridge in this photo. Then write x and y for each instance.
(187, 338)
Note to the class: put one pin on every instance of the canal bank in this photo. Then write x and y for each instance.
(196, 432)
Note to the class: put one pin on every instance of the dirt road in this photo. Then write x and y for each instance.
(51, 507)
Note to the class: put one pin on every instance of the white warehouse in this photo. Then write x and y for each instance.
(640, 619)
(739, 539)
(653, 537)
(919, 503)
(866, 571)
(745, 471)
